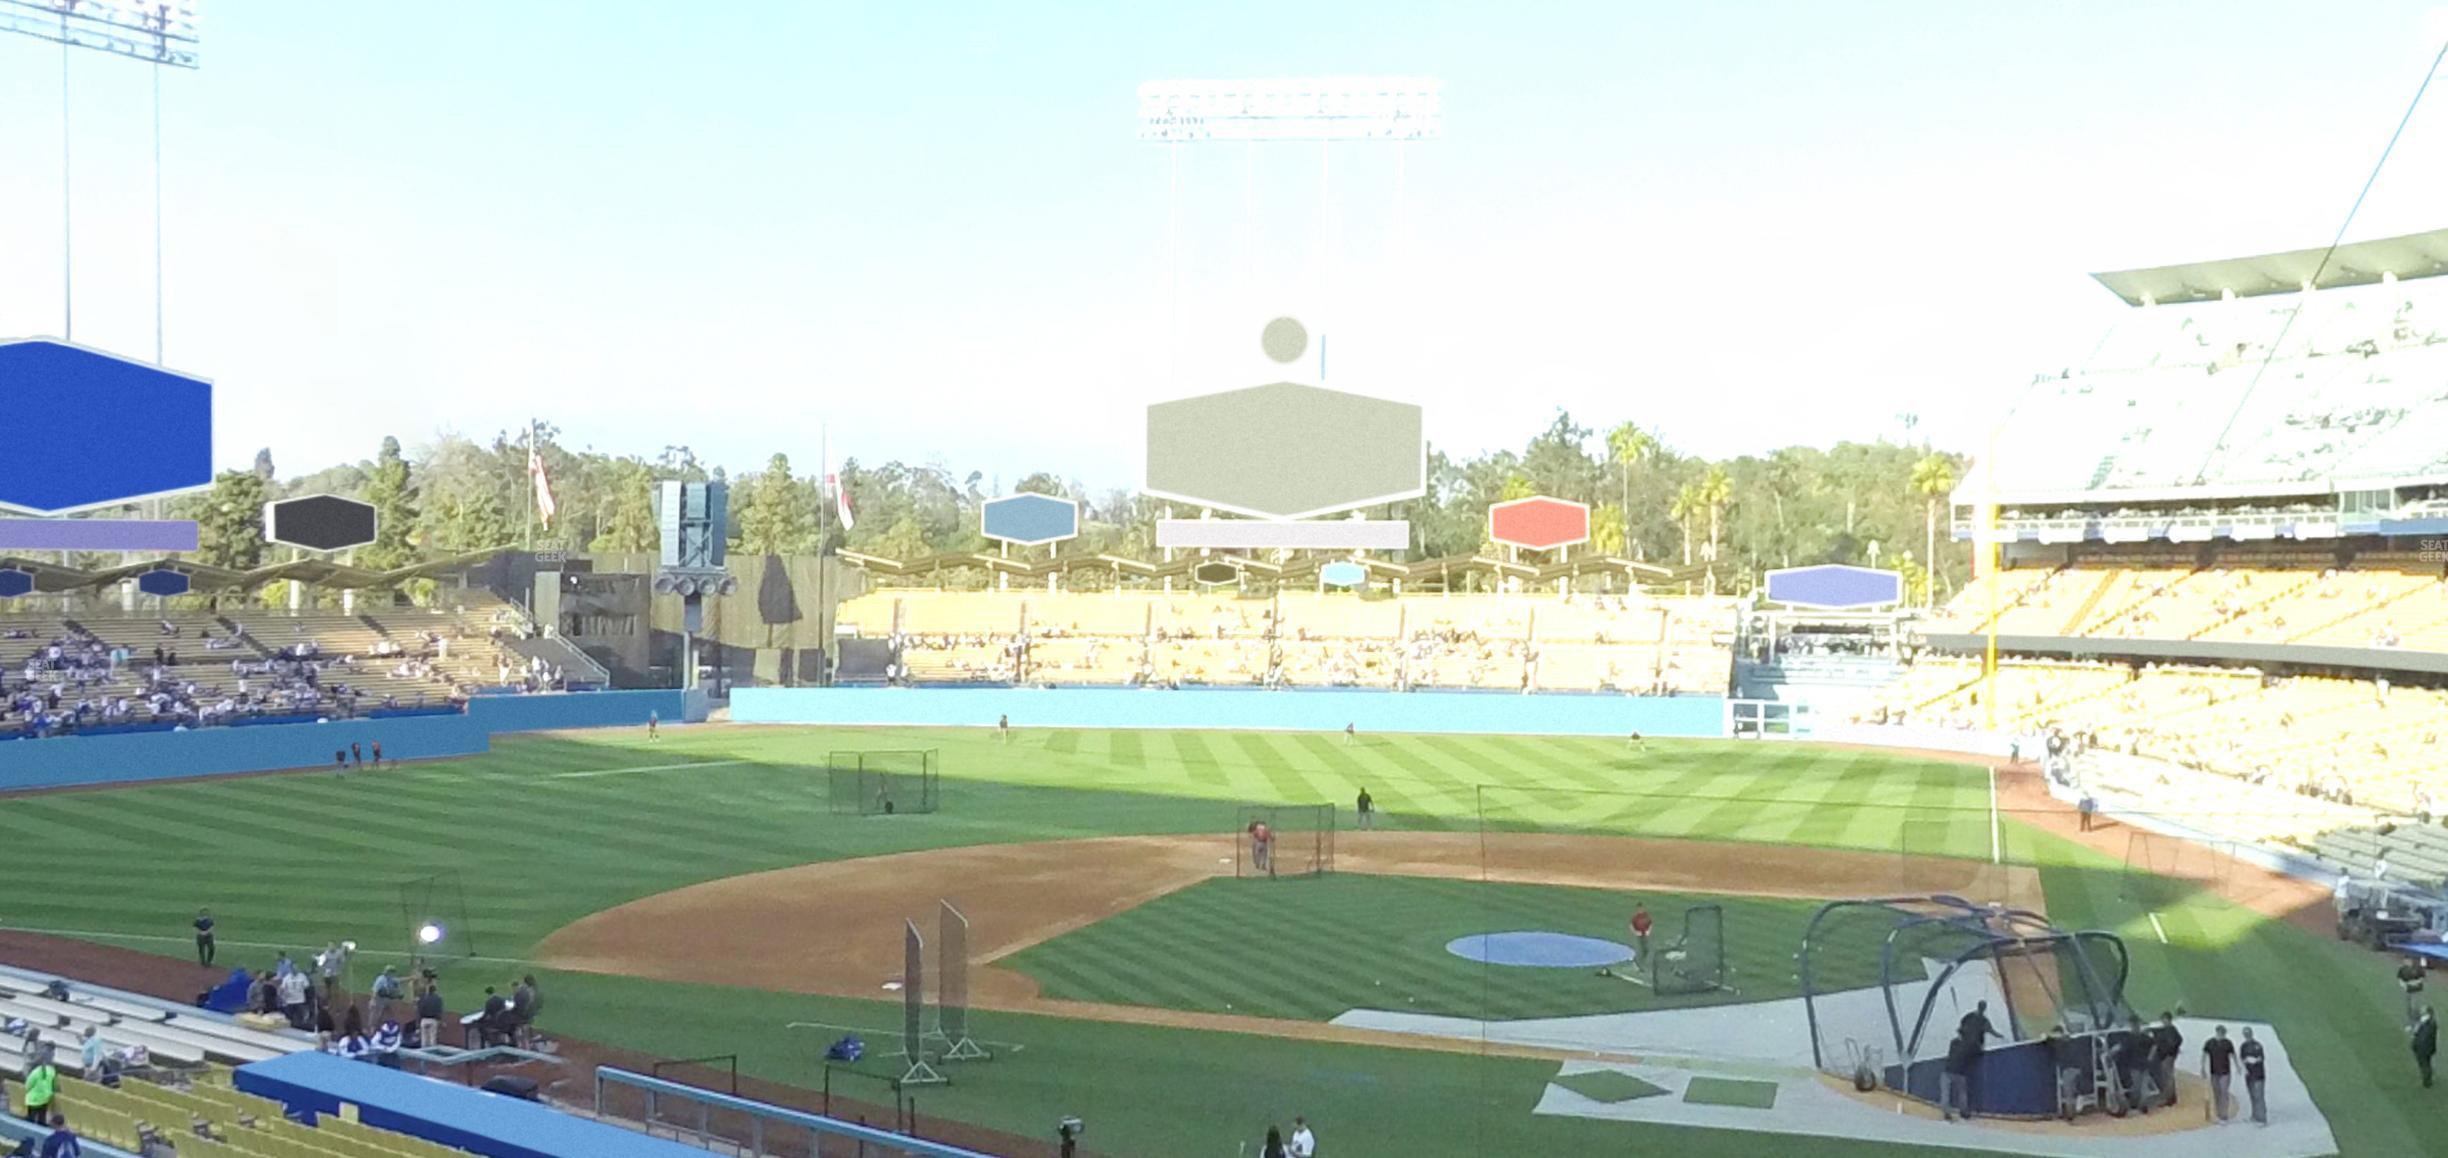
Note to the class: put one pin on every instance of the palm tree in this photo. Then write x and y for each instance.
(1630, 447)
(1932, 477)
(1686, 511)
(1716, 491)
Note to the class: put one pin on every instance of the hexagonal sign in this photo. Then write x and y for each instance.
(1215, 574)
(1539, 523)
(1285, 451)
(88, 429)
(15, 582)
(162, 581)
(1343, 574)
(1029, 520)
(1835, 587)
(319, 522)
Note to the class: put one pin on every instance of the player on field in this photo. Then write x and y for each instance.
(1003, 729)
(1640, 933)
(1262, 846)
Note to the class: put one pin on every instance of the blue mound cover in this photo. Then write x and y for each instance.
(1539, 950)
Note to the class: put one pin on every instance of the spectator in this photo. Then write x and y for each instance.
(2426, 1043)
(292, 986)
(386, 990)
(1304, 1143)
(2134, 1063)
(42, 1084)
(2256, 1077)
(429, 1014)
(2218, 1061)
(62, 1141)
(1955, 1081)
(2167, 1046)
(1273, 1147)
(387, 1045)
(353, 1044)
(525, 1004)
(493, 1023)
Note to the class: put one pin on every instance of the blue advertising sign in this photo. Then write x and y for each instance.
(88, 429)
(162, 581)
(1835, 586)
(1030, 520)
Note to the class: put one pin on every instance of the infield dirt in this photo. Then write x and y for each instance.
(835, 927)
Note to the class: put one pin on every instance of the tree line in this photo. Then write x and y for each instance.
(1879, 503)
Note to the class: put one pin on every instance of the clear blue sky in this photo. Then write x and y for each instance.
(931, 225)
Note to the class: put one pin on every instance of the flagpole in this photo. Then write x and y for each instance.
(532, 459)
(825, 483)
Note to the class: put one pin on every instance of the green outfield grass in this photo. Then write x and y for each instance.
(1315, 949)
(545, 830)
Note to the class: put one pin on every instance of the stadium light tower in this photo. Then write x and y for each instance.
(158, 32)
(1395, 109)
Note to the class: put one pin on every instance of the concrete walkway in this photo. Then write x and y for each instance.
(1770, 1041)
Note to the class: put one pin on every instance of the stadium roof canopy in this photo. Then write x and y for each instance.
(2355, 263)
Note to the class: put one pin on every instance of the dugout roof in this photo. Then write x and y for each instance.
(2408, 256)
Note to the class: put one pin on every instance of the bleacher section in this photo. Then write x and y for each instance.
(241, 665)
(2385, 601)
(2290, 389)
(2350, 741)
(1585, 643)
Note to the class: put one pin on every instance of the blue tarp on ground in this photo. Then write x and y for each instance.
(473, 1120)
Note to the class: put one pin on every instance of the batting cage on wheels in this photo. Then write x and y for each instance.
(884, 783)
(1284, 840)
(1692, 960)
(1888, 983)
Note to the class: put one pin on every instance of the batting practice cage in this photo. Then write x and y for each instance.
(883, 783)
(434, 916)
(1284, 840)
(1888, 983)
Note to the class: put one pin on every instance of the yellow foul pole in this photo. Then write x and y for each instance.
(1985, 553)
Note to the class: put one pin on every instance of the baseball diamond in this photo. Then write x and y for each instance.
(699, 893)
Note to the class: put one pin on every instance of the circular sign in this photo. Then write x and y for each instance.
(1284, 339)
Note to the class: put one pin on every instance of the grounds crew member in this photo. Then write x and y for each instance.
(204, 937)
(2070, 1056)
(2218, 1061)
(2256, 1077)
(1955, 1081)
(2410, 978)
(1367, 807)
(2426, 1043)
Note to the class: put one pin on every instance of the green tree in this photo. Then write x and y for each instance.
(1629, 448)
(1716, 493)
(775, 518)
(391, 491)
(229, 520)
(1607, 529)
(1933, 478)
(1685, 512)
(629, 521)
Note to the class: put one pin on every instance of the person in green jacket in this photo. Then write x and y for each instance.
(42, 1084)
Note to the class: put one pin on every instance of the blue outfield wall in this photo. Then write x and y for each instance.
(63, 761)
(1371, 711)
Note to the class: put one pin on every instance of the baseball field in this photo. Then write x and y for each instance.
(697, 895)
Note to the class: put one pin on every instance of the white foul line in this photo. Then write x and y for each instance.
(2161, 928)
(648, 768)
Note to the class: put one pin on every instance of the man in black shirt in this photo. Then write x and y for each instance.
(429, 1013)
(1955, 1081)
(2070, 1056)
(2167, 1047)
(1975, 1029)
(2426, 1043)
(2218, 1060)
(2134, 1062)
(2256, 1077)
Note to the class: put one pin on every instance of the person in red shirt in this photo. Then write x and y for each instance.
(1262, 846)
(1640, 932)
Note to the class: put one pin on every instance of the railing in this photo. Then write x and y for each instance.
(762, 1115)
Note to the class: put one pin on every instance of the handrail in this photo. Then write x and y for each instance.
(766, 1111)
